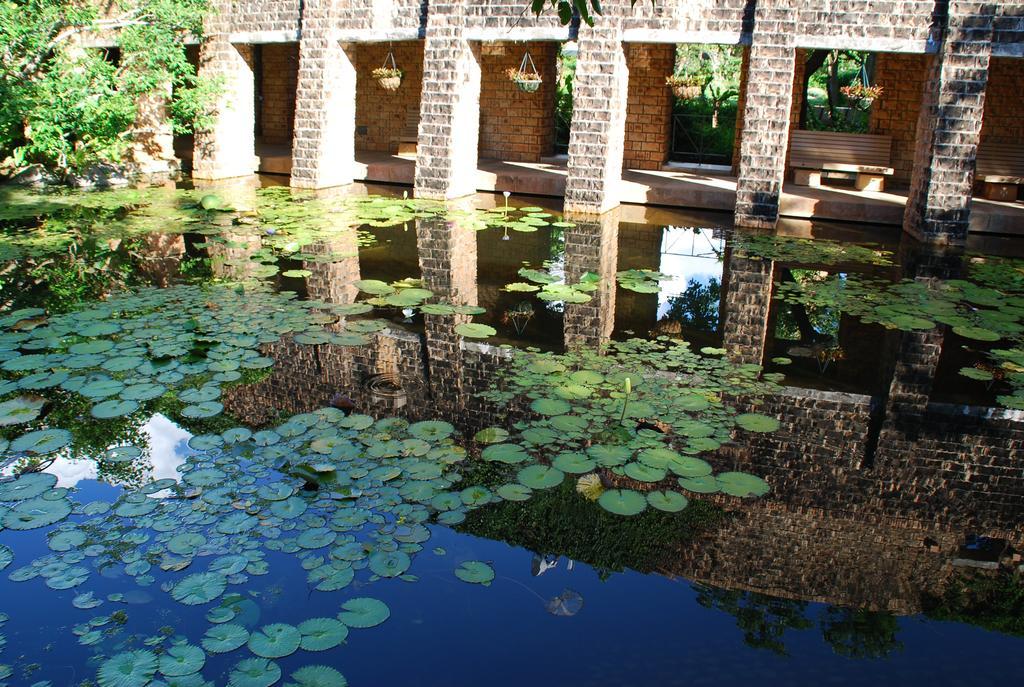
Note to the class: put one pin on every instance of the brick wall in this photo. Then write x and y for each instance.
(384, 113)
(514, 125)
(896, 113)
(1004, 120)
(280, 75)
(649, 105)
(265, 15)
(1009, 31)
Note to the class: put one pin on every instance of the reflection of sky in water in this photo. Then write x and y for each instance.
(168, 444)
(687, 253)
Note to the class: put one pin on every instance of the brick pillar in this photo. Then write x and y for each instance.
(446, 153)
(747, 303)
(227, 148)
(447, 253)
(598, 131)
(323, 145)
(949, 127)
(768, 102)
(152, 151)
(592, 247)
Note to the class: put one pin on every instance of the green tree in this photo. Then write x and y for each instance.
(857, 633)
(763, 619)
(68, 107)
(697, 305)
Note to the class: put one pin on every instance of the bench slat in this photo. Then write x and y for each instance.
(1001, 163)
(841, 152)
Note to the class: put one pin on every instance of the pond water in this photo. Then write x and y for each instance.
(253, 437)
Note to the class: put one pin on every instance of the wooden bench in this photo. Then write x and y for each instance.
(866, 155)
(1000, 170)
(408, 137)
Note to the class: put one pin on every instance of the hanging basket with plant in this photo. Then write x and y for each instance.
(526, 78)
(389, 76)
(860, 95)
(685, 86)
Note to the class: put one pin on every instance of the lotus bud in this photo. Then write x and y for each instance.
(628, 385)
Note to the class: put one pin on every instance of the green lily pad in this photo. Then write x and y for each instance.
(540, 477)
(321, 634)
(317, 676)
(514, 492)
(181, 659)
(275, 641)
(199, 588)
(755, 422)
(36, 512)
(128, 669)
(364, 612)
(550, 406)
(27, 486)
(475, 572)
(20, 409)
(475, 330)
(742, 484)
(220, 639)
(253, 672)
(622, 501)
(41, 441)
(668, 501)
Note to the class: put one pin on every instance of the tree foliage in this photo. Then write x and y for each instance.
(68, 106)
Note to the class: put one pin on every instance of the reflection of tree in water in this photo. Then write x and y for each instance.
(91, 437)
(795, 322)
(697, 306)
(763, 619)
(860, 633)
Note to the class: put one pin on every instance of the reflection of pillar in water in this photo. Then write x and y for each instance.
(918, 353)
(447, 254)
(592, 247)
(231, 251)
(332, 275)
(161, 257)
(747, 303)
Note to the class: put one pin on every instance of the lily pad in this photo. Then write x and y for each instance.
(20, 409)
(321, 634)
(199, 588)
(622, 501)
(475, 572)
(540, 477)
(317, 676)
(253, 672)
(668, 501)
(220, 639)
(181, 659)
(128, 669)
(364, 612)
(275, 641)
(755, 422)
(475, 330)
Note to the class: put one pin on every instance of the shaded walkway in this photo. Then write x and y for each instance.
(675, 188)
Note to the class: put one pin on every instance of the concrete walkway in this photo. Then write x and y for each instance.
(672, 188)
